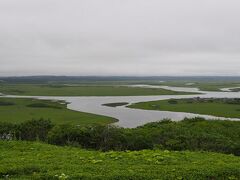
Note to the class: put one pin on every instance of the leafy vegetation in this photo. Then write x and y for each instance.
(225, 107)
(25, 160)
(23, 109)
(190, 134)
(80, 90)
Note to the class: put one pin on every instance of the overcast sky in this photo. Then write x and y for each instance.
(119, 37)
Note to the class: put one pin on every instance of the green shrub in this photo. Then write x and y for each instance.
(195, 134)
(172, 101)
(29, 130)
(34, 130)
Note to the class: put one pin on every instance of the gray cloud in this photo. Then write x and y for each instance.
(119, 37)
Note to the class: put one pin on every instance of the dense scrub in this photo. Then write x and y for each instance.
(190, 134)
(29, 130)
(26, 160)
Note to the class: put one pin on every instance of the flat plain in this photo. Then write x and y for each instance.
(17, 110)
(215, 107)
(81, 90)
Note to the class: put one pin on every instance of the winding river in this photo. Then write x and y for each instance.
(131, 118)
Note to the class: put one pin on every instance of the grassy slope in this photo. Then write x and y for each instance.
(25, 159)
(57, 113)
(215, 108)
(63, 90)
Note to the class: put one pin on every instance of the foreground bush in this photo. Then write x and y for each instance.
(29, 130)
(27, 160)
(197, 134)
(190, 134)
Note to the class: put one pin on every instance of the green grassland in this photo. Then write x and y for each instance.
(80, 90)
(25, 160)
(215, 107)
(17, 110)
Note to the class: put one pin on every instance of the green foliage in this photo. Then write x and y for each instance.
(29, 130)
(190, 134)
(94, 137)
(34, 130)
(172, 101)
(25, 160)
(235, 101)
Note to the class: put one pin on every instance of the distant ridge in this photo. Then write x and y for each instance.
(84, 79)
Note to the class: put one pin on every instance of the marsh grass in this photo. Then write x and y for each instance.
(220, 107)
(17, 110)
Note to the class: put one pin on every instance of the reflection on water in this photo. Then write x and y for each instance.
(135, 117)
